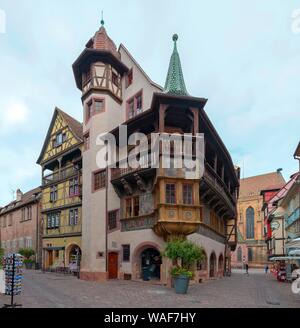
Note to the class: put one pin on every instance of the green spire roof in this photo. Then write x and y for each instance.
(175, 82)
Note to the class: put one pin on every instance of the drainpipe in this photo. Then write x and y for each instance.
(106, 221)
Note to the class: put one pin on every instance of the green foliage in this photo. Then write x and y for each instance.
(27, 252)
(176, 271)
(28, 261)
(186, 251)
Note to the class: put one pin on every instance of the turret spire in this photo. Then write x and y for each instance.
(102, 20)
(175, 80)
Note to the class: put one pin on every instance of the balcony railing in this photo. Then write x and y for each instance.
(65, 173)
(213, 178)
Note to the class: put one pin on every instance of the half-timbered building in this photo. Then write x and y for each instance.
(129, 214)
(61, 164)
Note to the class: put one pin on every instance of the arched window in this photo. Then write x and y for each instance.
(250, 223)
(240, 254)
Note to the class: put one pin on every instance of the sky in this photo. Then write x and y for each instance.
(243, 56)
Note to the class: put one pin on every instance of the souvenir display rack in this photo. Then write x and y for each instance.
(13, 264)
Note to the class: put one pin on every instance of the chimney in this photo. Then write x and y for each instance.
(19, 195)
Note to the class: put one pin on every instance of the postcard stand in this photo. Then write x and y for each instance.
(13, 264)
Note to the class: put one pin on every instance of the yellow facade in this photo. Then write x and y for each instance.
(61, 191)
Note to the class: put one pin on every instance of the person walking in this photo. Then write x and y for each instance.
(267, 269)
(247, 269)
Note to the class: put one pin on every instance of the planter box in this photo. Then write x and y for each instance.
(181, 284)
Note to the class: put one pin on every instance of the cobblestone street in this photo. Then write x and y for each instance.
(59, 291)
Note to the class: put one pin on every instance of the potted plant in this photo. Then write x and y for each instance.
(27, 253)
(184, 255)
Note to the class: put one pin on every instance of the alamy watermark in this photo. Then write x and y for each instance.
(296, 21)
(2, 21)
(158, 150)
(296, 283)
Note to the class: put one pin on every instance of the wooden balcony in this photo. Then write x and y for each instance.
(65, 173)
(219, 188)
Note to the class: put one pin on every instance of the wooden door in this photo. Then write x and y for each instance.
(50, 261)
(113, 265)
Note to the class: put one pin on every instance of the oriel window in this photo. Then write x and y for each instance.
(128, 208)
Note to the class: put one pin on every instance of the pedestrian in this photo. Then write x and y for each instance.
(267, 269)
(247, 269)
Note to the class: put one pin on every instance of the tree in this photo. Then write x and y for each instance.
(185, 252)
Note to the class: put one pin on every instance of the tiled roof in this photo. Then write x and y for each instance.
(175, 81)
(73, 124)
(27, 198)
(254, 185)
(102, 41)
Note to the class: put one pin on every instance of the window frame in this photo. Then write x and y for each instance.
(191, 186)
(101, 186)
(166, 193)
(128, 254)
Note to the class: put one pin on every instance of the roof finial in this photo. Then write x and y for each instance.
(102, 20)
(175, 38)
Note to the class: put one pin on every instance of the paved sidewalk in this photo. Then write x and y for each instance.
(48, 290)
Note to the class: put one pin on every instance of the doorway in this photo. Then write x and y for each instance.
(50, 259)
(113, 264)
(212, 265)
(151, 262)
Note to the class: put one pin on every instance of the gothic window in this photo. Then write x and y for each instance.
(250, 255)
(240, 254)
(250, 223)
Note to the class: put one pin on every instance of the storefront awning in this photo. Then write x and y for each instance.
(54, 248)
(285, 258)
(295, 243)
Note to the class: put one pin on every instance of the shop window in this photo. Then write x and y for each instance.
(126, 253)
(170, 193)
(99, 180)
(187, 194)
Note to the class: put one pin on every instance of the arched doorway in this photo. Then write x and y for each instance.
(221, 265)
(212, 265)
(150, 260)
(74, 258)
